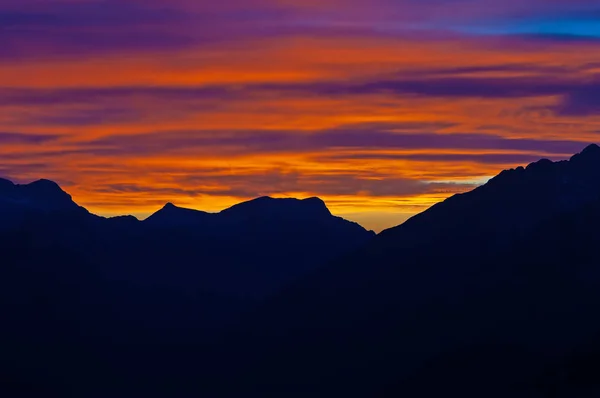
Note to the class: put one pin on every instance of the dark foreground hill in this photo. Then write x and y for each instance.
(248, 251)
(492, 293)
(78, 291)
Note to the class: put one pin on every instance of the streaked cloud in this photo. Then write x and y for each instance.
(382, 107)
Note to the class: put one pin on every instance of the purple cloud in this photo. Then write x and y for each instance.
(59, 28)
(71, 96)
(83, 117)
(482, 87)
(584, 101)
(56, 28)
(67, 28)
(441, 87)
(25, 138)
(236, 143)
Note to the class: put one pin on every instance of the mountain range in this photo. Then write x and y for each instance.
(490, 293)
(280, 238)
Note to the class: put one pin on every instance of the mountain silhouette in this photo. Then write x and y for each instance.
(171, 215)
(188, 247)
(85, 288)
(42, 195)
(19, 203)
(264, 212)
(490, 293)
(288, 208)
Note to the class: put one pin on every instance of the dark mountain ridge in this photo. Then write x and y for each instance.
(505, 275)
(264, 215)
(83, 288)
(263, 232)
(490, 293)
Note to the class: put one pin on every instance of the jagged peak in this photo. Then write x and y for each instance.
(593, 149)
(40, 184)
(591, 153)
(41, 194)
(578, 163)
(541, 164)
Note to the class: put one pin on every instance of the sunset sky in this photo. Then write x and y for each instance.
(380, 107)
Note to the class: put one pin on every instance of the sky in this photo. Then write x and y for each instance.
(380, 107)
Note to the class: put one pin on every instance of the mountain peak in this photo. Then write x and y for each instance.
(169, 206)
(587, 162)
(171, 215)
(592, 148)
(541, 165)
(591, 152)
(6, 184)
(315, 200)
(46, 187)
(317, 204)
(266, 206)
(45, 183)
(47, 190)
(41, 195)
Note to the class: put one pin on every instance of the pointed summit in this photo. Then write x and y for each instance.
(169, 206)
(171, 215)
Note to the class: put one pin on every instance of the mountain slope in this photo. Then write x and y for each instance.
(491, 293)
(111, 297)
(22, 203)
(480, 295)
(251, 249)
(171, 215)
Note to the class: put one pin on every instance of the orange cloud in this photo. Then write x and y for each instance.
(379, 126)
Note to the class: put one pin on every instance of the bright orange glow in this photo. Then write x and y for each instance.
(375, 125)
